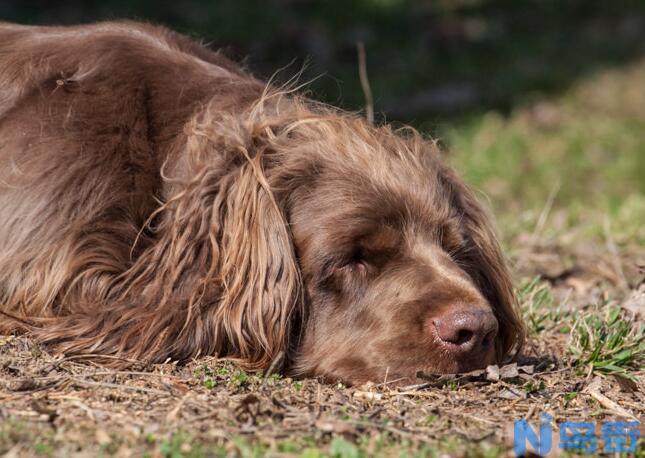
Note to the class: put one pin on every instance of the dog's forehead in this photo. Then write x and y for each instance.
(374, 217)
(395, 196)
(390, 184)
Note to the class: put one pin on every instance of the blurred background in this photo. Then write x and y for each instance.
(540, 104)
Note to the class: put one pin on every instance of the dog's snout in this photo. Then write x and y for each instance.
(466, 331)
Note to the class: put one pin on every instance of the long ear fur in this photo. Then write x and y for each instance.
(220, 276)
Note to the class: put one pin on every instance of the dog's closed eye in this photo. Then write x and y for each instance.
(357, 265)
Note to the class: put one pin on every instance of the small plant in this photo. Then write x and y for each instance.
(537, 304)
(570, 396)
(248, 449)
(171, 448)
(41, 448)
(182, 445)
(208, 383)
(239, 378)
(223, 371)
(451, 385)
(206, 374)
(341, 448)
(608, 343)
(534, 386)
(288, 446)
(429, 420)
(311, 453)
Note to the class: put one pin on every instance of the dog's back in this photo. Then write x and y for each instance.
(88, 115)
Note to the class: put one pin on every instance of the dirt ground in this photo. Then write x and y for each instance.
(54, 406)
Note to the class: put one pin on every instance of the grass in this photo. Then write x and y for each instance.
(607, 341)
(181, 444)
(602, 338)
(586, 147)
(538, 307)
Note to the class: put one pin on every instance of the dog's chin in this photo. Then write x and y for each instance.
(408, 376)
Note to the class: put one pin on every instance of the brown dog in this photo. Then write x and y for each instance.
(158, 202)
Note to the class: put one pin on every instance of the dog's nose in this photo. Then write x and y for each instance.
(466, 331)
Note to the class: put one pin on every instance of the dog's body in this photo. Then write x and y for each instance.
(157, 202)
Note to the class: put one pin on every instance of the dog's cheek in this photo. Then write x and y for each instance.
(340, 290)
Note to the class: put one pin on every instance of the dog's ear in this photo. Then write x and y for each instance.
(259, 276)
(485, 262)
(217, 273)
(253, 267)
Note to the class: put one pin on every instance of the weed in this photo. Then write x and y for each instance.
(570, 396)
(341, 448)
(239, 378)
(533, 387)
(429, 420)
(608, 342)
(208, 383)
(42, 448)
(537, 304)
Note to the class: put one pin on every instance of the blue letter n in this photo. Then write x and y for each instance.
(541, 442)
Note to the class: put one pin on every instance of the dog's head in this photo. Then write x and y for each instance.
(351, 248)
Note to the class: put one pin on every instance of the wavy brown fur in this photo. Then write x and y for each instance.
(160, 203)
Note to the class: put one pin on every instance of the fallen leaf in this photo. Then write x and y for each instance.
(334, 426)
(492, 373)
(368, 395)
(511, 394)
(508, 371)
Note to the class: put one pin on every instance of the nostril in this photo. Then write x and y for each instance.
(455, 329)
(463, 336)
